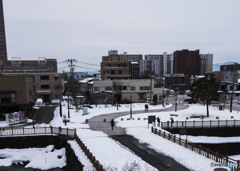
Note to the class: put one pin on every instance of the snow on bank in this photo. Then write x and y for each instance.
(81, 156)
(211, 140)
(191, 160)
(39, 158)
(110, 153)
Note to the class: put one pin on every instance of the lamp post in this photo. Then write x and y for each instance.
(130, 106)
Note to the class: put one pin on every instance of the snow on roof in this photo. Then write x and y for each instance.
(87, 79)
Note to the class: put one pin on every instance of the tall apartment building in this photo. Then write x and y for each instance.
(206, 64)
(159, 64)
(186, 62)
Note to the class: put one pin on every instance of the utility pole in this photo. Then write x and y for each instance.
(151, 83)
(231, 100)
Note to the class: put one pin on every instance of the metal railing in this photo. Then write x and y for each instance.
(37, 131)
(201, 124)
(225, 160)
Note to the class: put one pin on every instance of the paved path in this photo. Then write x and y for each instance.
(157, 160)
(96, 123)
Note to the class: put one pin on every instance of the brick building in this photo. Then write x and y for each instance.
(186, 62)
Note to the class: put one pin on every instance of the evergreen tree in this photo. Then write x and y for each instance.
(204, 90)
(155, 99)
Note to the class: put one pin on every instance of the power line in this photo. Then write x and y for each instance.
(88, 63)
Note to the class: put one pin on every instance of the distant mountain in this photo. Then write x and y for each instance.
(216, 67)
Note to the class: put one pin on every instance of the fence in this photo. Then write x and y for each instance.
(37, 130)
(90, 156)
(201, 124)
(225, 160)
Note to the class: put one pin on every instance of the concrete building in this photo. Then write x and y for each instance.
(112, 91)
(229, 84)
(186, 62)
(206, 64)
(46, 86)
(16, 93)
(159, 64)
(179, 82)
(115, 66)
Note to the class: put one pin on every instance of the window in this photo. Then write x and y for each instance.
(45, 86)
(144, 87)
(132, 88)
(57, 96)
(119, 72)
(7, 98)
(112, 72)
(124, 88)
(44, 77)
(108, 88)
(56, 78)
(141, 96)
(96, 88)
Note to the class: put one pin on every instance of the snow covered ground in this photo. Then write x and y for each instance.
(39, 158)
(112, 154)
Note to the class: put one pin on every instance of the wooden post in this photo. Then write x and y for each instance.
(208, 152)
(180, 141)
(174, 138)
(200, 149)
(152, 130)
(186, 144)
(169, 136)
(164, 134)
(192, 146)
(216, 156)
(238, 164)
(155, 131)
(51, 129)
(227, 159)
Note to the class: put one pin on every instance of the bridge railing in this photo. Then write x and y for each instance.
(37, 130)
(201, 124)
(225, 160)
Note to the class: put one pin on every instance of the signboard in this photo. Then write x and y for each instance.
(151, 119)
(15, 118)
(85, 111)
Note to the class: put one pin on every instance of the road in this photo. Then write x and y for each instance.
(142, 150)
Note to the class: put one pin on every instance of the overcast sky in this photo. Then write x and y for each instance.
(86, 29)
